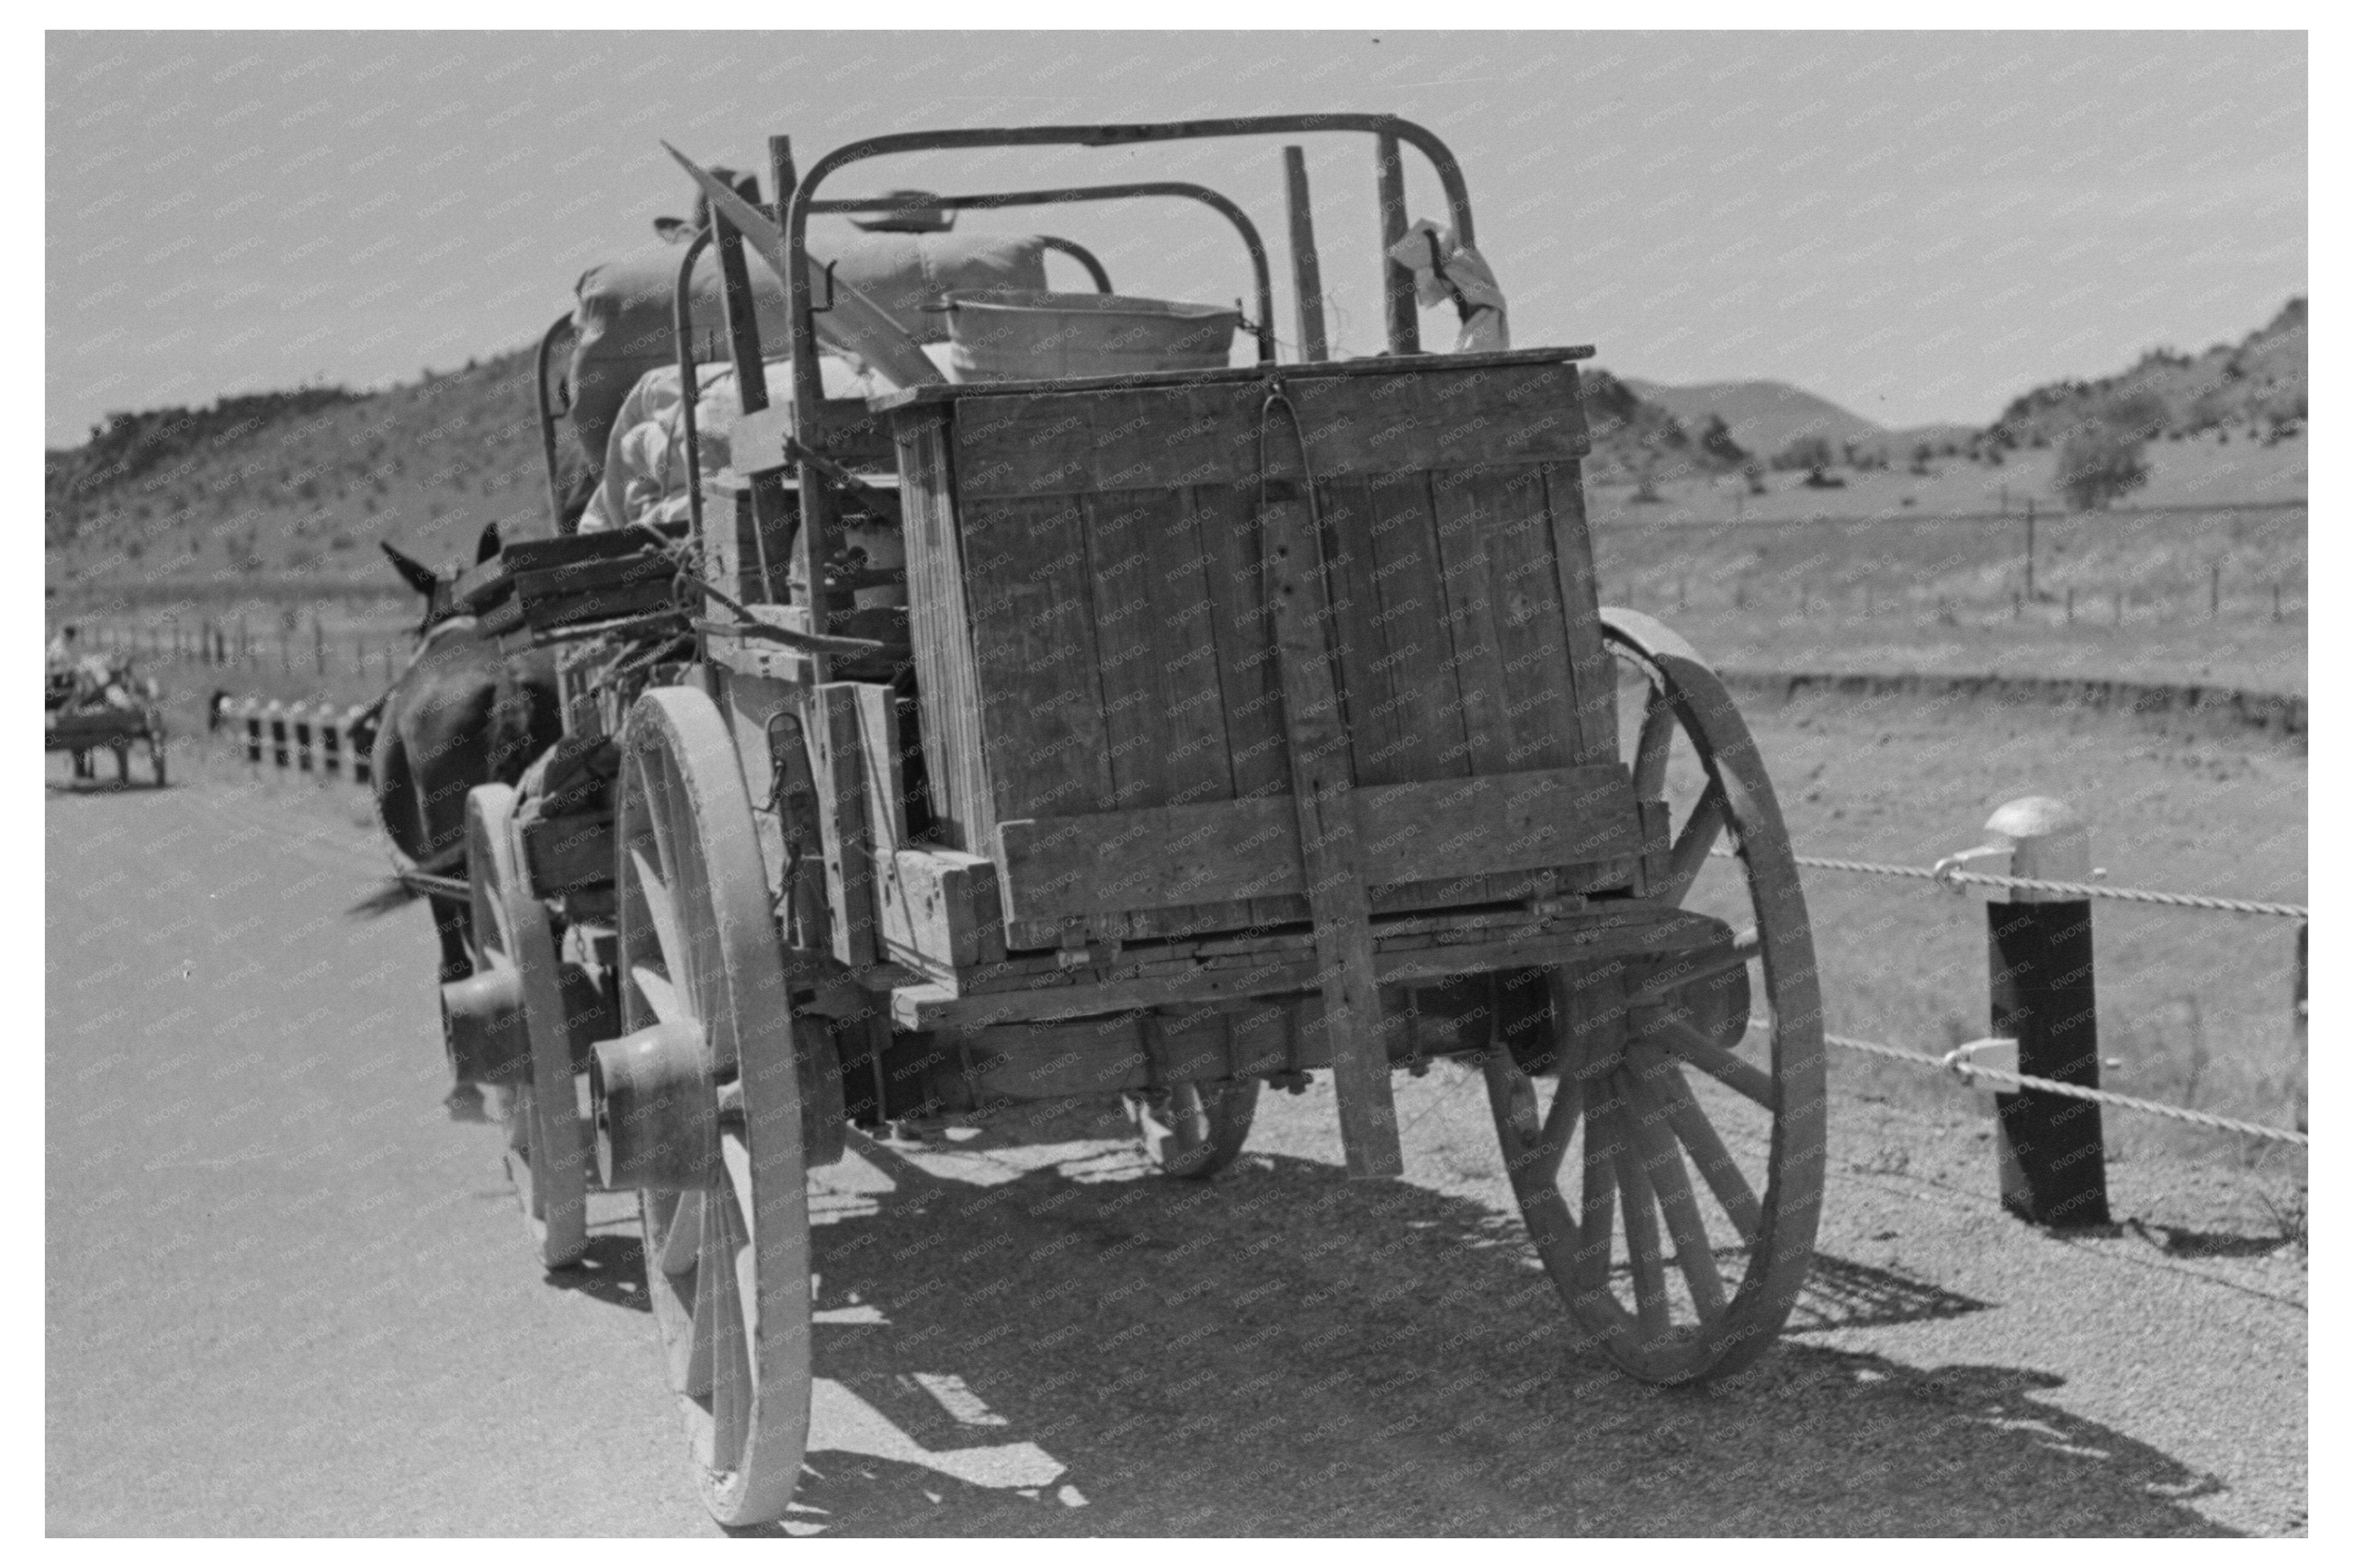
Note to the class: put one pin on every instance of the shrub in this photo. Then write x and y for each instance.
(2098, 464)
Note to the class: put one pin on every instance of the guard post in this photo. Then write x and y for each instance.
(2054, 1164)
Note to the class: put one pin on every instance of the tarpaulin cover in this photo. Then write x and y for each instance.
(623, 325)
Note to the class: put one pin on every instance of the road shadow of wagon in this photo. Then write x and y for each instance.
(1064, 1351)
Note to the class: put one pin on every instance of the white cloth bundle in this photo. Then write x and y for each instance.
(1444, 270)
(645, 458)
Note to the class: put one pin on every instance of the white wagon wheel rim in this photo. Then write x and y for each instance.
(546, 1141)
(728, 1268)
(1672, 1186)
(551, 1169)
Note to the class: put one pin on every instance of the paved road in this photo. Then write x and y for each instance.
(285, 1294)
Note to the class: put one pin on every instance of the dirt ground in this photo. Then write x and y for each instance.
(257, 1214)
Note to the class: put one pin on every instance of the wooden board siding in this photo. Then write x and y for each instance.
(1092, 637)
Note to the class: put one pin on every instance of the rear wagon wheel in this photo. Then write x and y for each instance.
(1673, 1184)
(547, 1147)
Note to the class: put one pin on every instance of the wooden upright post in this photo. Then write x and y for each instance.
(1397, 282)
(751, 383)
(2054, 1162)
(1323, 791)
(814, 542)
(1306, 271)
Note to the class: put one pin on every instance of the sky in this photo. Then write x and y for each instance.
(1917, 226)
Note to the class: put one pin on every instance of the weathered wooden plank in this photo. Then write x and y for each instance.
(1114, 439)
(1655, 932)
(840, 776)
(1364, 670)
(939, 611)
(1063, 867)
(563, 853)
(1329, 846)
(881, 754)
(1225, 535)
(1403, 540)
(1595, 670)
(941, 914)
(1163, 713)
(1470, 616)
(1042, 729)
(1051, 1060)
(1523, 587)
(936, 393)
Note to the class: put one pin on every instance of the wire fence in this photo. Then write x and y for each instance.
(1957, 1063)
(1951, 874)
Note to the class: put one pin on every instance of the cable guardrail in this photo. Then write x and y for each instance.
(2044, 1049)
(1960, 1063)
(1949, 873)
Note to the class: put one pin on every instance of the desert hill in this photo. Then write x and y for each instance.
(290, 487)
(1763, 416)
(2260, 383)
(288, 493)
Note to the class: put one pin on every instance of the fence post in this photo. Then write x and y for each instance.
(359, 739)
(252, 713)
(276, 713)
(301, 714)
(2303, 1061)
(2053, 1163)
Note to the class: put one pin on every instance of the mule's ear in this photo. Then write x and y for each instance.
(673, 230)
(489, 544)
(416, 574)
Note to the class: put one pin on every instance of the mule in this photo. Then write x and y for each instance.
(461, 714)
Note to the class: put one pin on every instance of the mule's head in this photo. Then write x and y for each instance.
(440, 602)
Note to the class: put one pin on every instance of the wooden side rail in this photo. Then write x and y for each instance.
(1409, 953)
(1066, 866)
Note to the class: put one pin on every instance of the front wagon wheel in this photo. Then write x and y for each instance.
(712, 1118)
(1673, 1184)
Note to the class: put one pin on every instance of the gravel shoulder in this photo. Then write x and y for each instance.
(284, 1296)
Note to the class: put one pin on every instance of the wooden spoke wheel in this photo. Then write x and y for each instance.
(1195, 1130)
(725, 1202)
(547, 1143)
(1673, 1183)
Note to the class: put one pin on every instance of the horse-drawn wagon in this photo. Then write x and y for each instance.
(984, 743)
(99, 704)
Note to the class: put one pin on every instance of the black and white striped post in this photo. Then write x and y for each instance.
(2054, 1162)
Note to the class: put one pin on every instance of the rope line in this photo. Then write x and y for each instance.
(2072, 1092)
(1953, 877)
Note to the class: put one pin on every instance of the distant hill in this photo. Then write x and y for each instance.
(2260, 383)
(302, 484)
(1764, 417)
(276, 491)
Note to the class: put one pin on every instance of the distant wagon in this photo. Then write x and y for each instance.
(1132, 724)
(101, 704)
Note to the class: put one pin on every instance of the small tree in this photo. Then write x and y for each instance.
(2098, 464)
(1805, 452)
(1715, 440)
